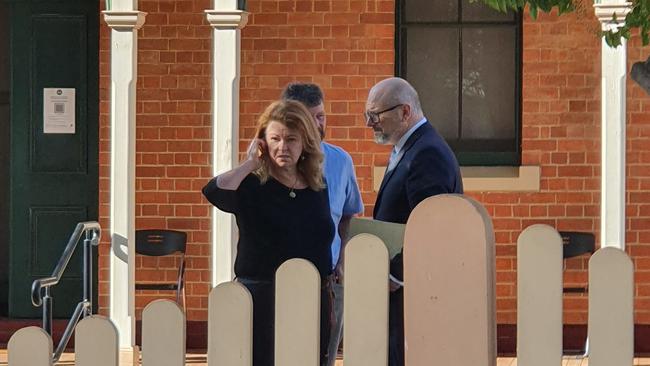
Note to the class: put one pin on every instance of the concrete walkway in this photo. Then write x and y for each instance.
(195, 358)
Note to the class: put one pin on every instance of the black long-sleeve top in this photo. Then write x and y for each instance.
(274, 227)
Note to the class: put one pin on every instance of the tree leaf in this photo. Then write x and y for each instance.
(638, 17)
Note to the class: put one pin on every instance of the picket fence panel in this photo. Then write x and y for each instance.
(230, 330)
(539, 296)
(449, 293)
(96, 342)
(365, 299)
(611, 308)
(449, 302)
(163, 334)
(297, 314)
(30, 346)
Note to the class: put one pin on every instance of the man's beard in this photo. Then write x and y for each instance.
(321, 130)
(381, 138)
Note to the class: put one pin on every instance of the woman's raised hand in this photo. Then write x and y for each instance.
(231, 179)
(256, 150)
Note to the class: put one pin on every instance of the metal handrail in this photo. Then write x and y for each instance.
(45, 282)
(41, 286)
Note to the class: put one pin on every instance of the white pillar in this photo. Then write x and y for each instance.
(124, 45)
(226, 21)
(613, 61)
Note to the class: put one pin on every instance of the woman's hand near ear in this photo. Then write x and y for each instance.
(232, 179)
(256, 151)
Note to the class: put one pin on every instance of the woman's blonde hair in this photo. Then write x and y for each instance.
(295, 116)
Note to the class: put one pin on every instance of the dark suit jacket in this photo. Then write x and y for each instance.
(426, 167)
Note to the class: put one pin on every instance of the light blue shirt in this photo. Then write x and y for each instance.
(344, 195)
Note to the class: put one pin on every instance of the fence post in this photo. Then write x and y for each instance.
(163, 334)
(230, 325)
(96, 342)
(539, 296)
(297, 314)
(449, 288)
(30, 346)
(611, 308)
(366, 302)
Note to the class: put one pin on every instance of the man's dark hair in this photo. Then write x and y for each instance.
(308, 94)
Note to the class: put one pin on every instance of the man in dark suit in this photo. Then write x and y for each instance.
(421, 165)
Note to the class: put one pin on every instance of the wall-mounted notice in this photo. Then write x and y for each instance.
(59, 110)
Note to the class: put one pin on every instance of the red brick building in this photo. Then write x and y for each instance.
(346, 46)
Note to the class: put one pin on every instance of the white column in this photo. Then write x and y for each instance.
(613, 61)
(226, 22)
(124, 46)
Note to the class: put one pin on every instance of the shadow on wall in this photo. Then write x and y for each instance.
(641, 74)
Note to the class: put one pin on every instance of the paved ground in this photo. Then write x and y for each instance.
(199, 359)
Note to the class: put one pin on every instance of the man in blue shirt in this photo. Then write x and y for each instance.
(344, 197)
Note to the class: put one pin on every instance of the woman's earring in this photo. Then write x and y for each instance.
(302, 157)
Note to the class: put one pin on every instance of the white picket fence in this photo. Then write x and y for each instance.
(539, 302)
(449, 304)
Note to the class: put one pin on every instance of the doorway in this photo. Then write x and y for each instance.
(53, 162)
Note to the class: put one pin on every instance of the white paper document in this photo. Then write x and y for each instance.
(59, 110)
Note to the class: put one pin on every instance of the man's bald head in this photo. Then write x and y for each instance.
(393, 107)
(394, 91)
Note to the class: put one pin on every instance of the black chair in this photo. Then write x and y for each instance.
(576, 244)
(157, 243)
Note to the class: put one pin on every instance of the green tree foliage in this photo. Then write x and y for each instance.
(638, 17)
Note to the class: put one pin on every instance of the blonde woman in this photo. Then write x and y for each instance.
(281, 204)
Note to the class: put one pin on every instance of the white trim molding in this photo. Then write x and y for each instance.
(605, 13)
(501, 178)
(227, 19)
(124, 20)
(488, 179)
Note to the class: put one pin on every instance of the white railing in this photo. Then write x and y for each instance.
(449, 304)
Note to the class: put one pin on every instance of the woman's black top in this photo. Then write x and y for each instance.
(273, 227)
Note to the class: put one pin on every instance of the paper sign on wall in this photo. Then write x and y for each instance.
(59, 110)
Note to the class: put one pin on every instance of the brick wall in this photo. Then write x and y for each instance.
(346, 46)
(560, 133)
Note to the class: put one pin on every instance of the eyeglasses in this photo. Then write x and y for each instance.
(373, 117)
